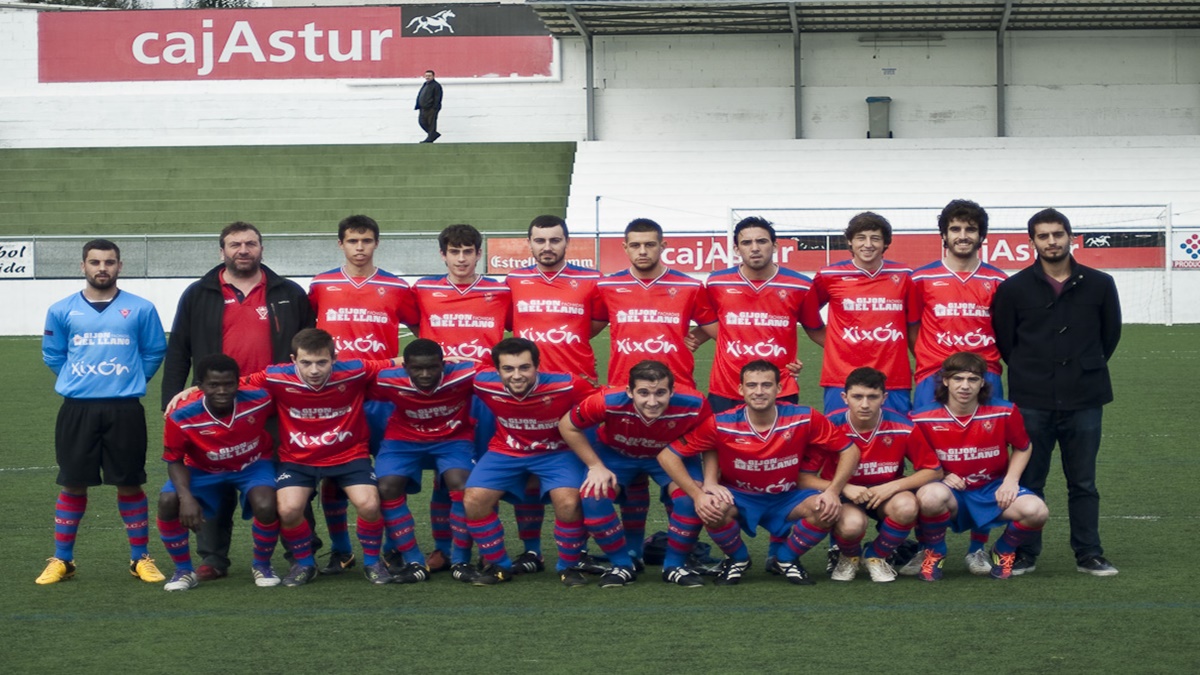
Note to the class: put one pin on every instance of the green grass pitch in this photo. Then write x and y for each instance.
(1054, 621)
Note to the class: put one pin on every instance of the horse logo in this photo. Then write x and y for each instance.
(433, 24)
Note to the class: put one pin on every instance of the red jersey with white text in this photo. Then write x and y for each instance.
(868, 321)
(555, 312)
(363, 314)
(437, 416)
(528, 425)
(466, 321)
(955, 311)
(883, 449)
(627, 432)
(203, 441)
(975, 447)
(324, 426)
(764, 462)
(649, 320)
(758, 321)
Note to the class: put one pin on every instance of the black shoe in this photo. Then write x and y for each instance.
(465, 572)
(299, 575)
(731, 571)
(590, 564)
(529, 563)
(618, 577)
(491, 575)
(412, 573)
(1024, 564)
(572, 577)
(795, 573)
(377, 573)
(1096, 566)
(434, 137)
(682, 576)
(338, 562)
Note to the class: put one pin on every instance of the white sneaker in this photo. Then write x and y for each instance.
(846, 568)
(182, 581)
(979, 563)
(264, 576)
(879, 569)
(913, 567)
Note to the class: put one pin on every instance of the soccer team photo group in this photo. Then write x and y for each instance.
(302, 427)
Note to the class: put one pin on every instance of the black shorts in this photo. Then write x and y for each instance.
(354, 472)
(95, 434)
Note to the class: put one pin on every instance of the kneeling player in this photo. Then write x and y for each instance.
(635, 424)
(528, 406)
(214, 441)
(878, 490)
(971, 436)
(752, 459)
(430, 423)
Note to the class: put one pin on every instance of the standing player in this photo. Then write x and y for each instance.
(648, 308)
(528, 405)
(431, 423)
(1057, 324)
(244, 309)
(952, 300)
(971, 434)
(104, 345)
(757, 305)
(362, 307)
(466, 314)
(635, 424)
(868, 314)
(324, 435)
(878, 490)
(752, 472)
(214, 441)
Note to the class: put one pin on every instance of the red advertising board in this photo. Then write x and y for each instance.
(292, 43)
(703, 254)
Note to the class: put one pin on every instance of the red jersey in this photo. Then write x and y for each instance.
(883, 450)
(363, 314)
(200, 440)
(955, 312)
(443, 414)
(627, 432)
(758, 321)
(320, 427)
(868, 321)
(649, 320)
(764, 462)
(974, 448)
(246, 326)
(465, 321)
(529, 425)
(555, 312)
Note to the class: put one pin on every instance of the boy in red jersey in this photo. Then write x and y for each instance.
(971, 434)
(649, 308)
(878, 490)
(213, 441)
(362, 307)
(753, 457)
(758, 306)
(869, 314)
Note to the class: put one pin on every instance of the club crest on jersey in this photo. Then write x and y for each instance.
(887, 440)
(782, 294)
(381, 290)
(125, 314)
(341, 388)
(787, 435)
(252, 419)
(987, 286)
(573, 283)
(671, 425)
(896, 279)
(987, 425)
(487, 297)
(546, 400)
(262, 313)
(672, 291)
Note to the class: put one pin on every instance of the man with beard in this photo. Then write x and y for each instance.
(104, 345)
(1057, 324)
(240, 308)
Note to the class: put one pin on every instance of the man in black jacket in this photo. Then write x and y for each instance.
(243, 309)
(429, 102)
(1057, 324)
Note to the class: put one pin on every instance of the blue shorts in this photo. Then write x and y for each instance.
(485, 425)
(355, 472)
(770, 511)
(560, 469)
(977, 509)
(408, 458)
(628, 469)
(923, 393)
(209, 488)
(896, 399)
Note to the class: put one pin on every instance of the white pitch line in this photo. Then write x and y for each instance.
(26, 468)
